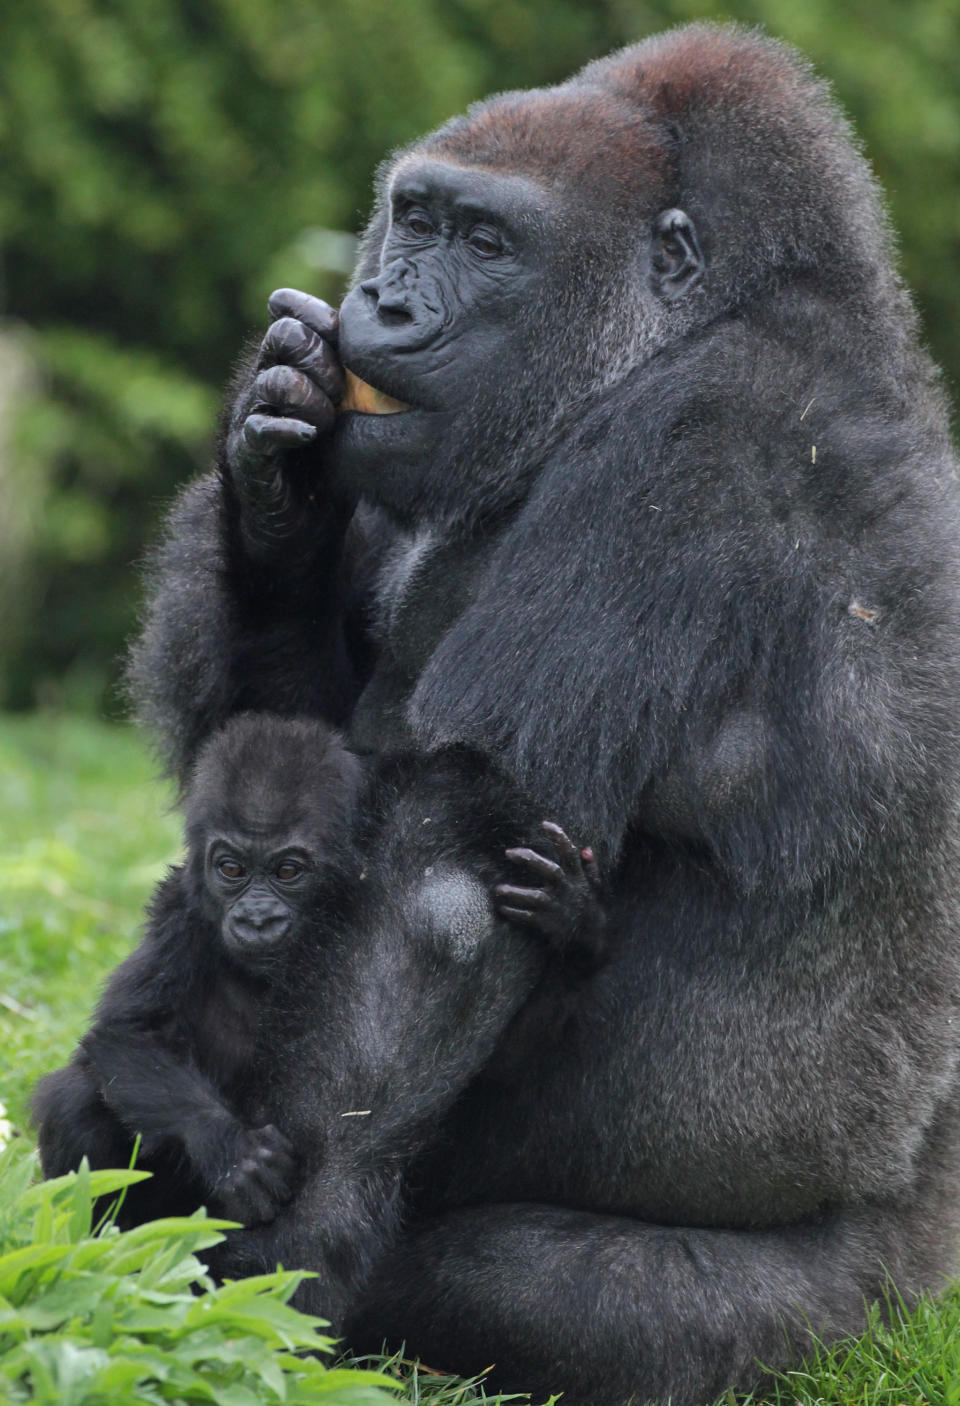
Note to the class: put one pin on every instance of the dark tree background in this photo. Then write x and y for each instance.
(165, 163)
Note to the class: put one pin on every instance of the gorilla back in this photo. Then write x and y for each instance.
(668, 531)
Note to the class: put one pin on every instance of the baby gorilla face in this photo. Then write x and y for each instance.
(269, 817)
(258, 893)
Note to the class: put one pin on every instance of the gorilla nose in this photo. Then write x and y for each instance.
(390, 291)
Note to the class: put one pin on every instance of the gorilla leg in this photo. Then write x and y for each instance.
(576, 1302)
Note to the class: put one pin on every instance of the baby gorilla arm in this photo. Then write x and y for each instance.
(160, 1094)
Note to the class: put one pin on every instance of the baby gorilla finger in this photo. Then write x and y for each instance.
(532, 908)
(535, 899)
(538, 864)
(568, 854)
(522, 916)
(277, 1157)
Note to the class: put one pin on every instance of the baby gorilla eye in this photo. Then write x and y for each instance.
(230, 868)
(288, 870)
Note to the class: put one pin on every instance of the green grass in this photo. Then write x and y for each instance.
(86, 829)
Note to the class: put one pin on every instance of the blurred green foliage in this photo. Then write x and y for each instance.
(165, 163)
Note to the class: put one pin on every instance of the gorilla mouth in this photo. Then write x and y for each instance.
(365, 399)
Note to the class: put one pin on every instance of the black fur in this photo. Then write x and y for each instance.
(670, 537)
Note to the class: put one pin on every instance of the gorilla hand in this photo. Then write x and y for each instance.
(564, 906)
(260, 1180)
(286, 405)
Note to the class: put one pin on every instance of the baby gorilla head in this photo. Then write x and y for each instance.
(269, 815)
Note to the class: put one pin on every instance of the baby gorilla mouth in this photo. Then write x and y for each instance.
(367, 400)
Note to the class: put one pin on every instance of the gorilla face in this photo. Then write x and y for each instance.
(442, 330)
(464, 254)
(464, 335)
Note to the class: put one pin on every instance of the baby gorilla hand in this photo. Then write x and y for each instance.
(260, 1179)
(563, 905)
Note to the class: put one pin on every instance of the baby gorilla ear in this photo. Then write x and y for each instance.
(676, 258)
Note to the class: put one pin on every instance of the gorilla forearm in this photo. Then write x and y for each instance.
(223, 633)
(161, 1095)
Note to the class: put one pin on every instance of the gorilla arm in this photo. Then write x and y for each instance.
(257, 591)
(679, 595)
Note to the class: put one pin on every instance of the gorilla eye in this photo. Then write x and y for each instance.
(230, 869)
(288, 870)
(486, 242)
(418, 224)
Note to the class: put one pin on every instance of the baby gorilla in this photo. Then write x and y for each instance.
(269, 818)
(273, 854)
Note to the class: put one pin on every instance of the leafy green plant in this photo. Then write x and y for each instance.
(93, 1315)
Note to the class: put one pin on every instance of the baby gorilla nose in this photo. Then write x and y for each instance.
(256, 924)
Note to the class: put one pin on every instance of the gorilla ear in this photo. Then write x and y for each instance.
(676, 259)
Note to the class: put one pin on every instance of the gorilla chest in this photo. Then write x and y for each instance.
(229, 1024)
(425, 584)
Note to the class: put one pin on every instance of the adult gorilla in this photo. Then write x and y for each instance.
(669, 534)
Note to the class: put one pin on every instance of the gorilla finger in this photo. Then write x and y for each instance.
(256, 1210)
(271, 1139)
(313, 312)
(290, 343)
(274, 1180)
(538, 900)
(272, 1134)
(291, 393)
(590, 866)
(279, 1160)
(523, 916)
(566, 850)
(266, 432)
(538, 864)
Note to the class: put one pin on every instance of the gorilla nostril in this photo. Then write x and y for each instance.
(394, 315)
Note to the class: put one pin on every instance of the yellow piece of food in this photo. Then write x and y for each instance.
(366, 400)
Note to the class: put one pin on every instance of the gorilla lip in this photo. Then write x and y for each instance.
(365, 399)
